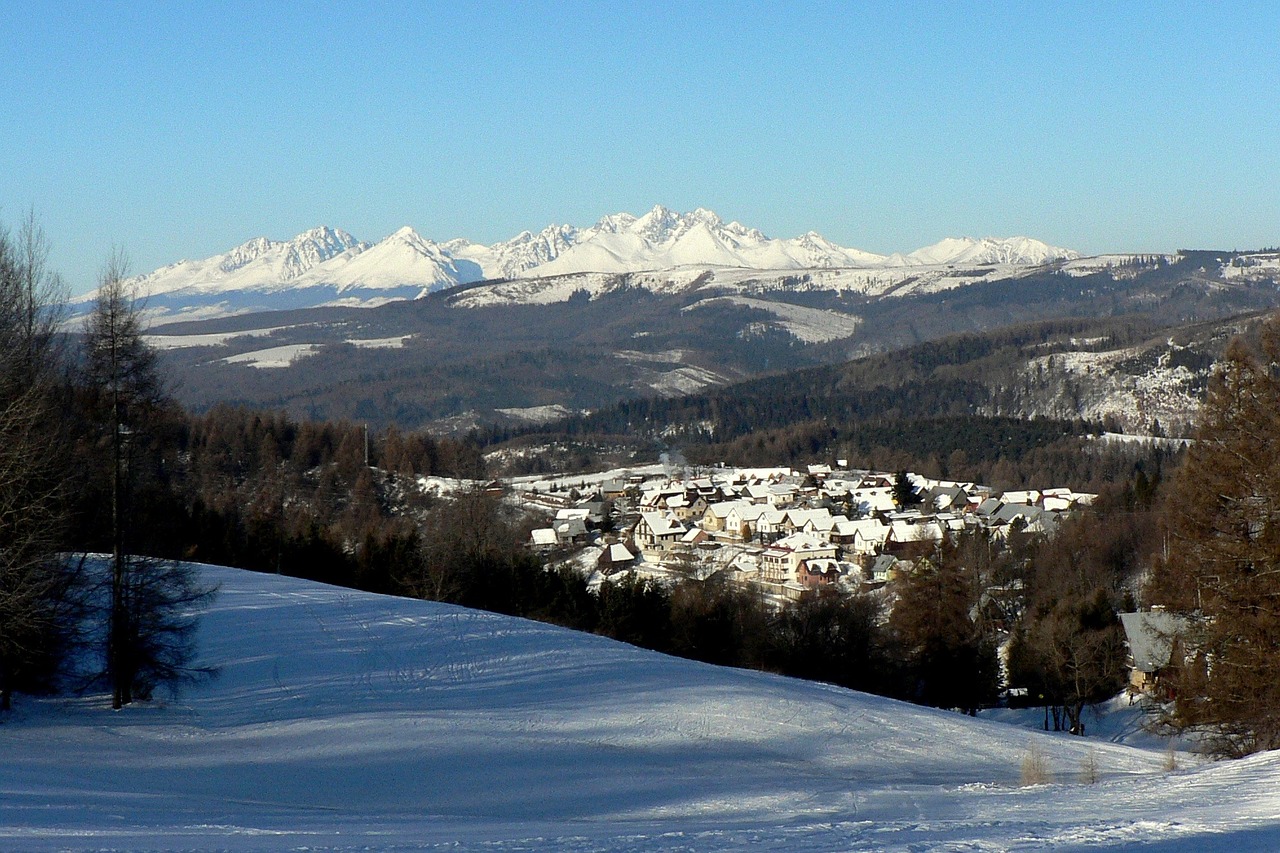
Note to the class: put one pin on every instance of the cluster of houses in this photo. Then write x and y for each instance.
(786, 532)
(790, 531)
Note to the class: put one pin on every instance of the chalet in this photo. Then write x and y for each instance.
(810, 521)
(989, 507)
(694, 536)
(948, 498)
(543, 539)
(688, 508)
(772, 524)
(783, 494)
(615, 558)
(741, 520)
(1152, 636)
(884, 568)
(1030, 518)
(656, 532)
(571, 530)
(863, 536)
(912, 535)
(612, 490)
(715, 519)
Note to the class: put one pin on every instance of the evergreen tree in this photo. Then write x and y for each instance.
(947, 661)
(904, 491)
(148, 633)
(1223, 563)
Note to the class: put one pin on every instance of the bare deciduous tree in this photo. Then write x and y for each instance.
(34, 582)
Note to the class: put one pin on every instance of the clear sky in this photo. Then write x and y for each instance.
(179, 130)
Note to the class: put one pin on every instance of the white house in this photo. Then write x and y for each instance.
(656, 532)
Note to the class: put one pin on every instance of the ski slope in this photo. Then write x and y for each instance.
(345, 721)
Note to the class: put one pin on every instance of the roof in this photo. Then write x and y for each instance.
(884, 561)
(804, 542)
(619, 553)
(571, 527)
(662, 525)
(989, 506)
(821, 566)
(1151, 634)
(723, 508)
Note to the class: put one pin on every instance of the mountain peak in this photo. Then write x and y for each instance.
(990, 250)
(407, 264)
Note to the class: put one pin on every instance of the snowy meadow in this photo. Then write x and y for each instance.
(345, 721)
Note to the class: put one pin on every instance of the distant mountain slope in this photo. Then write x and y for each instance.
(343, 720)
(258, 264)
(484, 353)
(326, 266)
(1127, 372)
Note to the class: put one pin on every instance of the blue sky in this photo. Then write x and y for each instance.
(180, 130)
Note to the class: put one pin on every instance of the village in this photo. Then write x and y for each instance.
(780, 531)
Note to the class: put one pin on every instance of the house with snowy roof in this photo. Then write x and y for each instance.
(657, 532)
(1152, 636)
(781, 562)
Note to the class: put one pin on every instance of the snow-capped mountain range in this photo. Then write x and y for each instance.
(327, 266)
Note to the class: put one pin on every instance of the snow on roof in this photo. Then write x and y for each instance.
(662, 524)
(723, 508)
(544, 536)
(619, 553)
(1150, 634)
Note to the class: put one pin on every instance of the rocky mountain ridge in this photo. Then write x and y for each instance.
(328, 267)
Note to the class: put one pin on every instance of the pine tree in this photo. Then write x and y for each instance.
(947, 660)
(1223, 563)
(148, 632)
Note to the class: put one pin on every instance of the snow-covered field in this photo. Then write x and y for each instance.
(273, 357)
(810, 325)
(346, 721)
(396, 342)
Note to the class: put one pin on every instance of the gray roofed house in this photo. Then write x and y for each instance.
(1151, 635)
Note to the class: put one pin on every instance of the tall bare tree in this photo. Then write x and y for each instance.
(33, 581)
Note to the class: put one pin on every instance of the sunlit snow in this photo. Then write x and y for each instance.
(347, 721)
(273, 357)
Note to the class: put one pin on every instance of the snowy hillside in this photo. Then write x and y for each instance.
(966, 250)
(327, 266)
(258, 264)
(348, 721)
